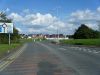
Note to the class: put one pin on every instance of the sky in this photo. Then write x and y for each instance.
(48, 16)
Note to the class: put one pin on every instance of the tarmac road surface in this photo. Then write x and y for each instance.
(45, 58)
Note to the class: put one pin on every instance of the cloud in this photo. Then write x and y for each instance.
(16, 17)
(98, 9)
(33, 19)
(26, 11)
(38, 22)
(88, 17)
(47, 23)
(7, 10)
(85, 15)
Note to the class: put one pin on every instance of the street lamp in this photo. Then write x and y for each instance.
(57, 28)
(57, 9)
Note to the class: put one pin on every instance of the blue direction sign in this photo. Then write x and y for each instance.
(0, 29)
(6, 27)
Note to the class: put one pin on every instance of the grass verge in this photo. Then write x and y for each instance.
(5, 48)
(95, 42)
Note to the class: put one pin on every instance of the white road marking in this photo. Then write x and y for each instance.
(89, 51)
(62, 48)
(96, 52)
(82, 49)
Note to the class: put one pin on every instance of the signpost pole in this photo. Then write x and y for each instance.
(9, 39)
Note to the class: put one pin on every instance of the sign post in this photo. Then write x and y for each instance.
(6, 28)
(9, 38)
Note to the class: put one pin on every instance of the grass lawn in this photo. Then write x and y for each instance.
(5, 47)
(82, 42)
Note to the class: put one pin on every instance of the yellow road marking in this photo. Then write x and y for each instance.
(5, 63)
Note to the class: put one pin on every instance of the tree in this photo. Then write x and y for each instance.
(3, 18)
(84, 32)
(4, 37)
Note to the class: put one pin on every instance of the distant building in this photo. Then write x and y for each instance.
(38, 36)
(55, 36)
(46, 36)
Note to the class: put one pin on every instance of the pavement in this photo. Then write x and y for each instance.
(45, 58)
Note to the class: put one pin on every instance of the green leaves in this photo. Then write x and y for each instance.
(3, 18)
(84, 32)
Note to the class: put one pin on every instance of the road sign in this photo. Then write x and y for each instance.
(6, 27)
(0, 28)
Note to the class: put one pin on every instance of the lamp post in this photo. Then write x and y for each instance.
(57, 9)
(57, 27)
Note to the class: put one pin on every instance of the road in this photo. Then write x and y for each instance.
(45, 58)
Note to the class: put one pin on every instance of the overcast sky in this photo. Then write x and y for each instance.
(46, 16)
